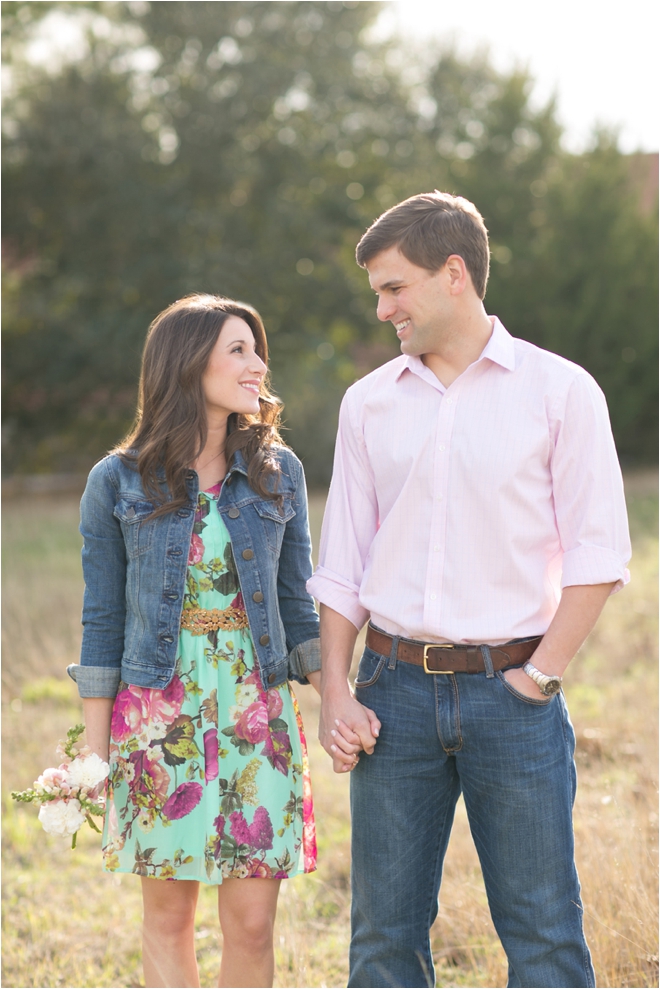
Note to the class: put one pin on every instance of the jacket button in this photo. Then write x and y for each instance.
(233, 512)
(247, 554)
(168, 638)
(130, 514)
(258, 597)
(264, 640)
(272, 678)
(183, 513)
(172, 597)
(190, 477)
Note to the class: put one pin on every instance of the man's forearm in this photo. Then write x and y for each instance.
(578, 612)
(338, 636)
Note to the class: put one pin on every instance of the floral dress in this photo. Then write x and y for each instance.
(209, 777)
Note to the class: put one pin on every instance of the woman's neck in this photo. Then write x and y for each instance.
(211, 464)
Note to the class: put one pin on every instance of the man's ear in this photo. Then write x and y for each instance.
(459, 277)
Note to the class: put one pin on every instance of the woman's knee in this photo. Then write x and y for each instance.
(169, 908)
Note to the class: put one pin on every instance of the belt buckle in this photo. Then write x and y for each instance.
(435, 645)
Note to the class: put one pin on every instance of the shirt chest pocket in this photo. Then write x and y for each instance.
(138, 532)
(273, 519)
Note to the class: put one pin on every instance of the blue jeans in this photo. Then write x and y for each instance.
(512, 758)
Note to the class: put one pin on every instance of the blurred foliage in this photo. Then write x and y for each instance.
(242, 148)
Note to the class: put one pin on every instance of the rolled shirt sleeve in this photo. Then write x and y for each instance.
(588, 491)
(349, 524)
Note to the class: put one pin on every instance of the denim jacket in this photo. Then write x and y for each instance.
(135, 573)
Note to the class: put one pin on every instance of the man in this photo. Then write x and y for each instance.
(476, 518)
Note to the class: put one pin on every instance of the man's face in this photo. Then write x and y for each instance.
(416, 301)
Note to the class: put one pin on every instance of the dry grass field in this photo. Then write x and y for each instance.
(66, 923)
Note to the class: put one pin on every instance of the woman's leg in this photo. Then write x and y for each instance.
(247, 915)
(168, 945)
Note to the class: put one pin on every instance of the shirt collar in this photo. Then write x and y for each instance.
(499, 349)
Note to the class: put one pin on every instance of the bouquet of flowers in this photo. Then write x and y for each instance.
(72, 793)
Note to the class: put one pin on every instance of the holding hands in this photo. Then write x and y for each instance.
(347, 728)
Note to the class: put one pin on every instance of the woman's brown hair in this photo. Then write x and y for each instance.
(170, 426)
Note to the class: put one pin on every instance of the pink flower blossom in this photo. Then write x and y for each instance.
(196, 551)
(184, 800)
(238, 602)
(239, 828)
(252, 724)
(274, 701)
(261, 830)
(211, 769)
(150, 777)
(219, 825)
(136, 706)
(54, 781)
(259, 870)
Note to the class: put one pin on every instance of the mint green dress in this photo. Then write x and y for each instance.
(209, 777)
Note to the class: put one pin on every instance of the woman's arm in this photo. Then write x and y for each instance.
(104, 604)
(299, 616)
(98, 716)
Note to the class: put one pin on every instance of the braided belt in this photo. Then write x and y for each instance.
(200, 621)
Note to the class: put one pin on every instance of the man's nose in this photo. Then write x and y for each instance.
(385, 309)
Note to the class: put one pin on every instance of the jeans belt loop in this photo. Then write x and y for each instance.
(488, 662)
(391, 663)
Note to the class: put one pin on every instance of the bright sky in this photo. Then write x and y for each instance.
(600, 57)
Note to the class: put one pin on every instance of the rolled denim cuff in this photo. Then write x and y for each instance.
(95, 681)
(305, 658)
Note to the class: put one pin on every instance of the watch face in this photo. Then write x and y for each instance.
(553, 686)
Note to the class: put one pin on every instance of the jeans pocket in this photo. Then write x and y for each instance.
(523, 697)
(369, 670)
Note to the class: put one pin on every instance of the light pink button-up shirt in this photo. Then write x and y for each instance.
(457, 514)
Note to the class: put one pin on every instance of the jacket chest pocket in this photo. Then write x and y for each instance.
(273, 521)
(138, 533)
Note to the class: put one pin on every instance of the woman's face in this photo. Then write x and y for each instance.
(234, 373)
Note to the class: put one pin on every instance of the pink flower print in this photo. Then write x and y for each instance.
(252, 724)
(274, 701)
(211, 769)
(309, 826)
(239, 828)
(151, 780)
(184, 800)
(238, 602)
(259, 870)
(196, 551)
(219, 825)
(277, 749)
(261, 830)
(136, 706)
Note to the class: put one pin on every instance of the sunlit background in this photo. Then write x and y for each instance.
(242, 148)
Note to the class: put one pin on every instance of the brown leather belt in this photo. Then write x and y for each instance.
(450, 658)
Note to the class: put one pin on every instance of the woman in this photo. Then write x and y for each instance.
(196, 553)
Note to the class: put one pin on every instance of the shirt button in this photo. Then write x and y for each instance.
(264, 640)
(437, 549)
(441, 447)
(433, 597)
(448, 401)
(233, 512)
(247, 554)
(258, 597)
(272, 678)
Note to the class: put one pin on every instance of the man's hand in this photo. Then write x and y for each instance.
(346, 728)
(524, 684)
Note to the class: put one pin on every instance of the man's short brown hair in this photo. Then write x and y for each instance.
(427, 229)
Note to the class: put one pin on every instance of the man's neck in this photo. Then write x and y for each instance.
(461, 348)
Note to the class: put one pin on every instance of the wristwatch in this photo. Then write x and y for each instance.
(548, 685)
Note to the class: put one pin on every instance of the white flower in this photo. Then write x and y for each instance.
(87, 772)
(61, 817)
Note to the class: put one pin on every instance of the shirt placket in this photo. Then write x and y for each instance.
(438, 534)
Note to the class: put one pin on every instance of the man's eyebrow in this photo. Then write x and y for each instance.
(393, 283)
